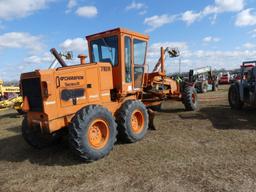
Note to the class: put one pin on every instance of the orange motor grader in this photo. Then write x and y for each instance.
(95, 101)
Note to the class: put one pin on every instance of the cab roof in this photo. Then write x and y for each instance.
(118, 30)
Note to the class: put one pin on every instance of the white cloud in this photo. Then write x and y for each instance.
(87, 11)
(218, 7)
(157, 21)
(229, 5)
(78, 45)
(191, 58)
(137, 6)
(141, 7)
(211, 39)
(35, 59)
(143, 12)
(11, 9)
(246, 18)
(190, 17)
(71, 4)
(21, 40)
(1, 26)
(221, 6)
(253, 33)
(249, 45)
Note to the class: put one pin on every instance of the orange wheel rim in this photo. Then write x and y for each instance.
(137, 121)
(98, 134)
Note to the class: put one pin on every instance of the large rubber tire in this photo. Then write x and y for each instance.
(34, 137)
(133, 121)
(92, 133)
(190, 98)
(234, 97)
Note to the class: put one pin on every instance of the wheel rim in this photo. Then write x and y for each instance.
(137, 121)
(98, 134)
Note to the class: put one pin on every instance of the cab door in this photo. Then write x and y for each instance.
(128, 63)
(139, 59)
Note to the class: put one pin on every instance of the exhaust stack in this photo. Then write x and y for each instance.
(58, 57)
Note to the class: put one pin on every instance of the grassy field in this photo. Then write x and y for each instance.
(213, 149)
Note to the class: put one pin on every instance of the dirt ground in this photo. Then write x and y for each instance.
(213, 149)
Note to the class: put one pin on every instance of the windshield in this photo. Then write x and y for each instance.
(139, 51)
(105, 50)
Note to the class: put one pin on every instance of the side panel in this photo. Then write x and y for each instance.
(92, 85)
(71, 88)
(106, 83)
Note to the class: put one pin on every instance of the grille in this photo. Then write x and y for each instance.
(32, 89)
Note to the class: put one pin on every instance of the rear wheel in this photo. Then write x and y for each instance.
(34, 137)
(92, 133)
(190, 98)
(234, 97)
(132, 121)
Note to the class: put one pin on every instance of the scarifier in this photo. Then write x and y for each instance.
(95, 101)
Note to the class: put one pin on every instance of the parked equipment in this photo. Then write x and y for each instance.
(15, 103)
(244, 90)
(96, 99)
(203, 79)
(225, 78)
(7, 92)
(9, 97)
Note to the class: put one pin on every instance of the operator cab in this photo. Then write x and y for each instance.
(126, 52)
(248, 70)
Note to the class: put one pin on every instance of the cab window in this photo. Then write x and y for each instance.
(128, 63)
(139, 47)
(105, 50)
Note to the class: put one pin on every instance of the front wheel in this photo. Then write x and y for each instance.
(92, 133)
(234, 97)
(190, 98)
(133, 121)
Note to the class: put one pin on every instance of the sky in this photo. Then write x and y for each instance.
(217, 33)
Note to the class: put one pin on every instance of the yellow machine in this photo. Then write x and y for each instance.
(9, 97)
(6, 91)
(15, 103)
